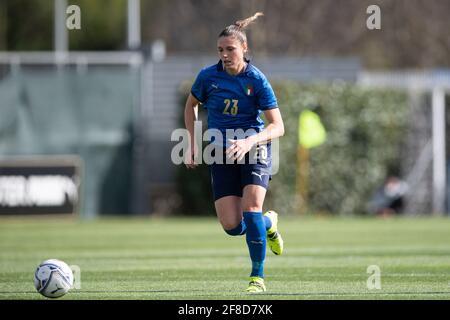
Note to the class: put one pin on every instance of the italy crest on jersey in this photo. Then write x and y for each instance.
(249, 90)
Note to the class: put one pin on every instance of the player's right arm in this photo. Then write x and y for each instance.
(190, 116)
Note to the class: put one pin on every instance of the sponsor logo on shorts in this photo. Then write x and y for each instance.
(259, 175)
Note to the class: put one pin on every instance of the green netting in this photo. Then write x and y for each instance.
(58, 111)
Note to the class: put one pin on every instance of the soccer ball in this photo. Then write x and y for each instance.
(53, 278)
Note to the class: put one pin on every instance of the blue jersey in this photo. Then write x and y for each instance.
(234, 102)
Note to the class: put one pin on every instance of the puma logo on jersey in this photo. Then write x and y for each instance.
(215, 86)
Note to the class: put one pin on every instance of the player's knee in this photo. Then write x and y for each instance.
(228, 224)
(252, 204)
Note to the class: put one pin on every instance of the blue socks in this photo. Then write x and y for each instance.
(254, 226)
(267, 222)
(242, 227)
(239, 230)
(256, 241)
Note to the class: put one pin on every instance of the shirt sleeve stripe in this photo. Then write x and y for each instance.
(196, 97)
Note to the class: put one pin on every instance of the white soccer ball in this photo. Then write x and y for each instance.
(53, 278)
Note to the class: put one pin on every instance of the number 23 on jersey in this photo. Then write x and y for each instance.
(234, 107)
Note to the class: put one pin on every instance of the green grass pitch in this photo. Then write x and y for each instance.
(192, 258)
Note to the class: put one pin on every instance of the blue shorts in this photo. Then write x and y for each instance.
(230, 179)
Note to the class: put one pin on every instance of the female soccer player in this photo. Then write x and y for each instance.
(235, 93)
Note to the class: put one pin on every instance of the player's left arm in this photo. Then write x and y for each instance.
(274, 129)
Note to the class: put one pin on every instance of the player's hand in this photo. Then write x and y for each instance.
(189, 158)
(239, 148)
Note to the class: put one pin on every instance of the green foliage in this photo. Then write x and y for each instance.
(365, 130)
(103, 25)
(28, 25)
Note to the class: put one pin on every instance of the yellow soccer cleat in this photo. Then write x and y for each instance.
(273, 236)
(256, 285)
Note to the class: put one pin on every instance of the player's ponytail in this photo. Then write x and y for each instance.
(238, 28)
(242, 24)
